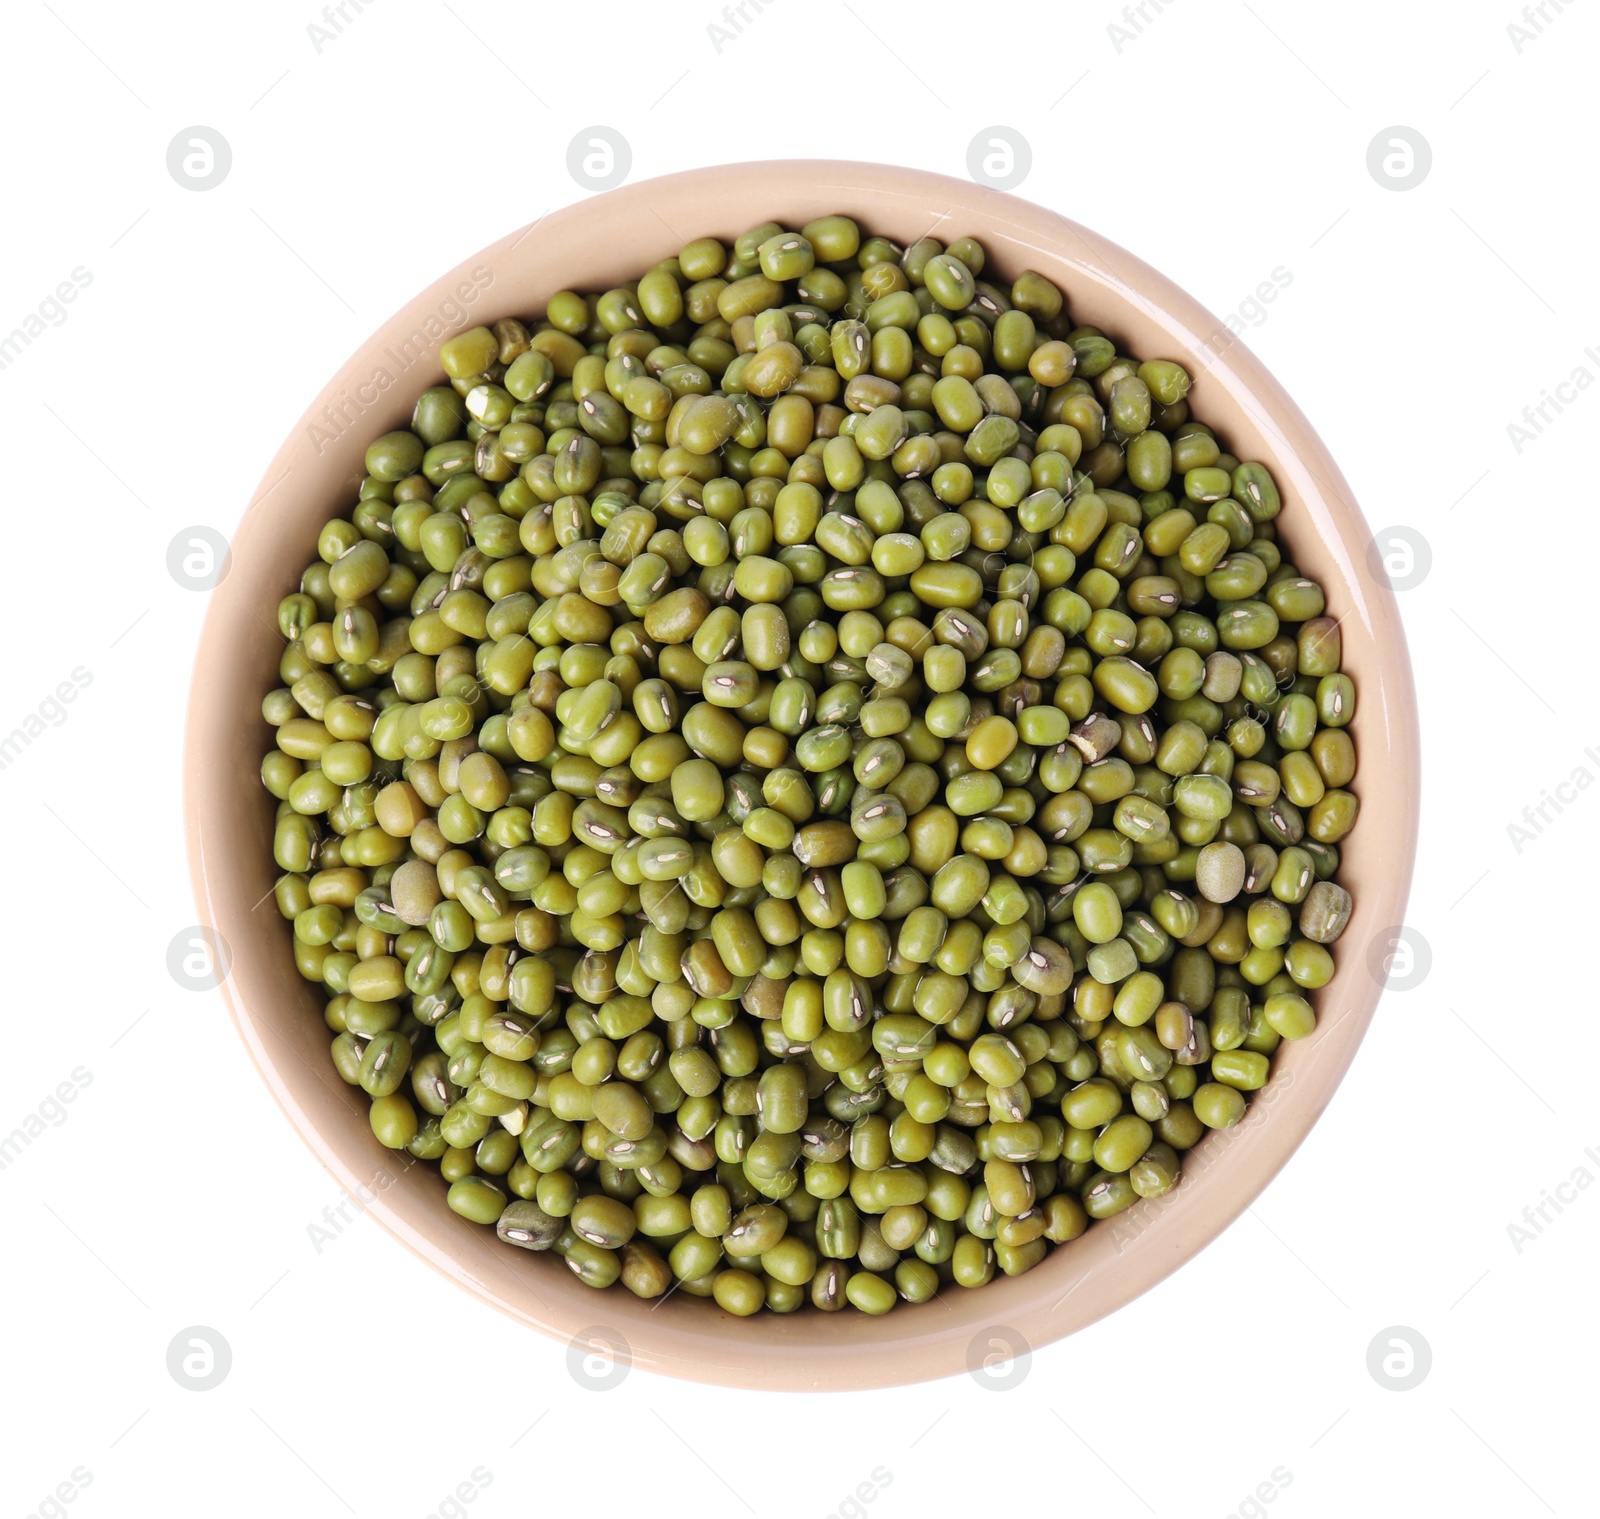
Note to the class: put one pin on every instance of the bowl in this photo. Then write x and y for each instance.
(229, 815)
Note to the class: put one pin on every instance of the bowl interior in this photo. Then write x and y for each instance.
(314, 477)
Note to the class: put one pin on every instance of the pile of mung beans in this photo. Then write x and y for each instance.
(808, 776)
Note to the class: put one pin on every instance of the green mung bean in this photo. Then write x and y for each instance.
(808, 776)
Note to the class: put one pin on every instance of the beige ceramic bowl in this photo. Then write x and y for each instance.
(590, 246)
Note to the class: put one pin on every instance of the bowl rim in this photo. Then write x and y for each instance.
(1077, 1284)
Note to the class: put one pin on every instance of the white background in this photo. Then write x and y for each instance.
(1223, 141)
